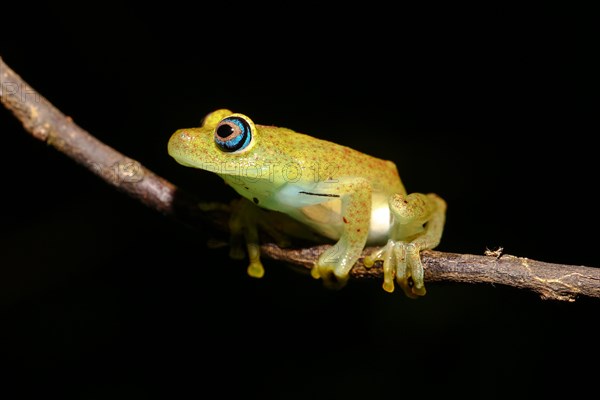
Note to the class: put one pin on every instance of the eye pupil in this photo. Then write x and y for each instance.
(224, 130)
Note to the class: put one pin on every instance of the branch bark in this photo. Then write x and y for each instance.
(46, 123)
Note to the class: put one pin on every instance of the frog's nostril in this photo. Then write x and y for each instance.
(185, 136)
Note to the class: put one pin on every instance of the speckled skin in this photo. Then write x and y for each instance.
(340, 193)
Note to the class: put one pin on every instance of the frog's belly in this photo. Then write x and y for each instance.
(326, 219)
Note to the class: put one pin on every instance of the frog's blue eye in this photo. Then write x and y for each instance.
(233, 134)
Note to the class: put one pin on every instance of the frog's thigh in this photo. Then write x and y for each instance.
(355, 194)
(415, 208)
(412, 212)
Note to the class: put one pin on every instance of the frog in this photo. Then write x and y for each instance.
(331, 192)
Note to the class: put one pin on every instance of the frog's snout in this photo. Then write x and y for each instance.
(179, 143)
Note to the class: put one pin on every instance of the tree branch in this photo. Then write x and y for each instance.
(46, 123)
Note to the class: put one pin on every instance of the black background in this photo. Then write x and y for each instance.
(490, 108)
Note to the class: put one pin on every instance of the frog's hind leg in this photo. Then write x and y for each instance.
(418, 222)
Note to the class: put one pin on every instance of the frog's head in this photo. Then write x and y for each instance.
(224, 137)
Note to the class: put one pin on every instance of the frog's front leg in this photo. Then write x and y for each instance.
(244, 222)
(334, 265)
(418, 222)
(243, 228)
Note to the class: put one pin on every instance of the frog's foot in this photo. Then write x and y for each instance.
(255, 269)
(333, 268)
(236, 251)
(402, 261)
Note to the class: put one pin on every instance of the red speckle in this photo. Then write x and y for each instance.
(345, 220)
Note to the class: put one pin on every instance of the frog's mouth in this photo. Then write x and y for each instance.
(184, 163)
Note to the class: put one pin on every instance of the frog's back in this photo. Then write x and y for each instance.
(323, 160)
